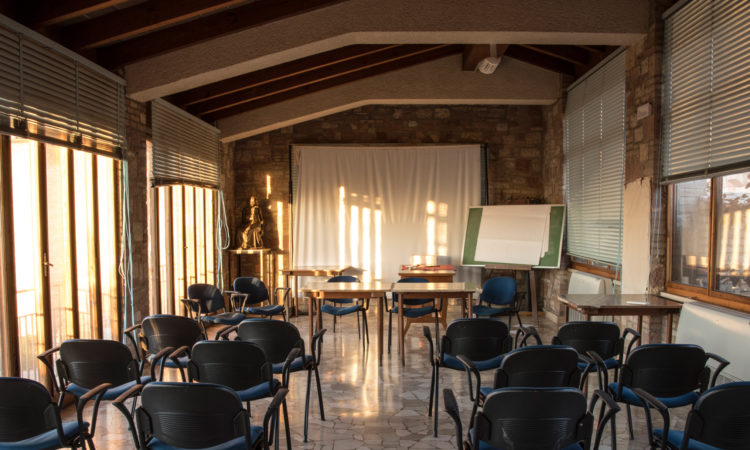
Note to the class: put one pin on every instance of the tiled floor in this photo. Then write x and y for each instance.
(367, 406)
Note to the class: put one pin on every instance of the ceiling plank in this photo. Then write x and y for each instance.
(341, 69)
(438, 52)
(51, 12)
(540, 60)
(202, 29)
(569, 53)
(306, 64)
(139, 19)
(475, 53)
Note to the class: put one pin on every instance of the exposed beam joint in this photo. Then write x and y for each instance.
(475, 53)
(540, 60)
(568, 53)
(53, 12)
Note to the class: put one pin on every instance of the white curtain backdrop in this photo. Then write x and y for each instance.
(373, 207)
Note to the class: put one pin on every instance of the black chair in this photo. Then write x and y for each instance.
(250, 294)
(338, 307)
(29, 419)
(205, 299)
(278, 340)
(413, 307)
(167, 340)
(675, 374)
(532, 418)
(499, 298)
(195, 415)
(85, 364)
(484, 342)
(719, 419)
(601, 337)
(241, 366)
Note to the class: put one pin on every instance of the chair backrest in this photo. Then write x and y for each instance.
(343, 279)
(91, 362)
(534, 418)
(26, 409)
(666, 370)
(164, 330)
(275, 337)
(235, 364)
(476, 339)
(721, 417)
(539, 366)
(254, 288)
(499, 291)
(208, 295)
(191, 415)
(602, 337)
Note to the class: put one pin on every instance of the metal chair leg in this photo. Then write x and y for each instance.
(320, 394)
(390, 331)
(286, 426)
(630, 422)
(307, 404)
(432, 392)
(437, 401)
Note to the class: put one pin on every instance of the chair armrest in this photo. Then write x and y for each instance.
(470, 369)
(176, 354)
(285, 295)
(315, 345)
(272, 411)
(428, 335)
(526, 332)
(158, 359)
(584, 373)
(636, 338)
(650, 401)
(119, 404)
(46, 359)
(451, 407)
(293, 354)
(223, 333)
(130, 335)
(601, 369)
(131, 328)
(612, 408)
(96, 394)
(722, 364)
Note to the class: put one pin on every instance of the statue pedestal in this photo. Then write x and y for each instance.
(266, 261)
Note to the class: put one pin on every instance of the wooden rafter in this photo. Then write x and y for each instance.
(540, 59)
(568, 53)
(435, 52)
(137, 20)
(52, 12)
(224, 22)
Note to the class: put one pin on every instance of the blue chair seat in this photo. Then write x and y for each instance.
(487, 364)
(45, 440)
(230, 318)
(481, 310)
(339, 310)
(262, 390)
(268, 310)
(628, 396)
(297, 364)
(485, 446)
(169, 363)
(609, 363)
(111, 394)
(415, 312)
(235, 444)
(675, 437)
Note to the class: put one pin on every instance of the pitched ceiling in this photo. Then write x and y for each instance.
(198, 53)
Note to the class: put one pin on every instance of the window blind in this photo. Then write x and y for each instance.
(594, 145)
(706, 114)
(51, 94)
(185, 149)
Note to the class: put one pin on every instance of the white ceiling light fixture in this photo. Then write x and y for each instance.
(489, 64)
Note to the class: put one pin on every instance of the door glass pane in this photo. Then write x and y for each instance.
(85, 251)
(690, 233)
(178, 249)
(24, 162)
(200, 235)
(58, 242)
(164, 274)
(210, 238)
(733, 234)
(190, 234)
(107, 245)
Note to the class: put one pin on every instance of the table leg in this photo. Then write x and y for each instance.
(471, 305)
(639, 327)
(381, 310)
(669, 328)
(310, 324)
(532, 297)
(319, 317)
(401, 329)
(567, 312)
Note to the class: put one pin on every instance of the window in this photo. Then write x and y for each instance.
(594, 155)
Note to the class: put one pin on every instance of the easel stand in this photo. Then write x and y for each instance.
(531, 286)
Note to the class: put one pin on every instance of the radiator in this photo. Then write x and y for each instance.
(721, 331)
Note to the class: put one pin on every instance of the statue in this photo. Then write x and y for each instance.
(252, 232)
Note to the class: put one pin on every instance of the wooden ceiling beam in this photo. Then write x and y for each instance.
(52, 12)
(281, 71)
(322, 74)
(540, 60)
(436, 53)
(475, 53)
(251, 15)
(569, 53)
(137, 20)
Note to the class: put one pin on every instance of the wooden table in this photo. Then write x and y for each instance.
(433, 276)
(320, 290)
(622, 305)
(444, 291)
(314, 271)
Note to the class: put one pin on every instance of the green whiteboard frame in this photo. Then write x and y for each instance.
(550, 260)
